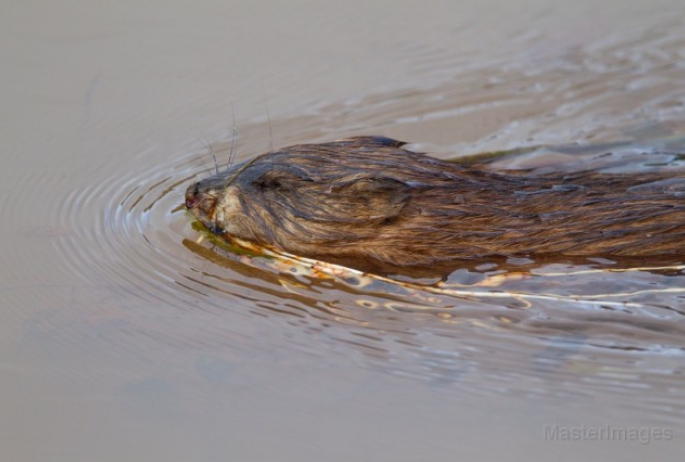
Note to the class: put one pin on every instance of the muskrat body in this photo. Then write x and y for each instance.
(367, 199)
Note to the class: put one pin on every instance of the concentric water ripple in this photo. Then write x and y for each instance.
(130, 334)
(587, 326)
(499, 329)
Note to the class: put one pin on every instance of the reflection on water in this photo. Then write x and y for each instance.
(517, 327)
(546, 329)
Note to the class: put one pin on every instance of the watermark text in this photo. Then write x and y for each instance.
(642, 435)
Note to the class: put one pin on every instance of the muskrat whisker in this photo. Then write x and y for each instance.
(268, 119)
(233, 140)
(206, 168)
(211, 152)
(216, 164)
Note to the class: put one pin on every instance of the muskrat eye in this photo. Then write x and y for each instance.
(267, 183)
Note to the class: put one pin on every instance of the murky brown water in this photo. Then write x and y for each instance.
(125, 336)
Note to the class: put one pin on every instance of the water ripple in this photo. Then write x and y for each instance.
(511, 328)
(499, 330)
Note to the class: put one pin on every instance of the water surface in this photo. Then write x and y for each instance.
(127, 335)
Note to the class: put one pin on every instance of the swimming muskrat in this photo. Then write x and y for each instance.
(367, 199)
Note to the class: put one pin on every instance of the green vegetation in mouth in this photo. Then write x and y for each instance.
(222, 242)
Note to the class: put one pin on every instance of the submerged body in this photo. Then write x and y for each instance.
(366, 199)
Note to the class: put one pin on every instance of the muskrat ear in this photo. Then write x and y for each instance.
(373, 141)
(375, 199)
(270, 177)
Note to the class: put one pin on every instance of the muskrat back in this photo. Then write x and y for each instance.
(370, 200)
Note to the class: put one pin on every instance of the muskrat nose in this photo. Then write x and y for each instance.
(192, 196)
(200, 202)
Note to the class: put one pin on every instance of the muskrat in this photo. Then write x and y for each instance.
(368, 199)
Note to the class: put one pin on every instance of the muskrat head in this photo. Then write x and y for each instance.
(306, 199)
(212, 199)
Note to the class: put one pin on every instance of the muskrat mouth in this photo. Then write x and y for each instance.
(200, 204)
(192, 196)
(192, 201)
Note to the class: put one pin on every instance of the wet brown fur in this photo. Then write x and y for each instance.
(367, 199)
